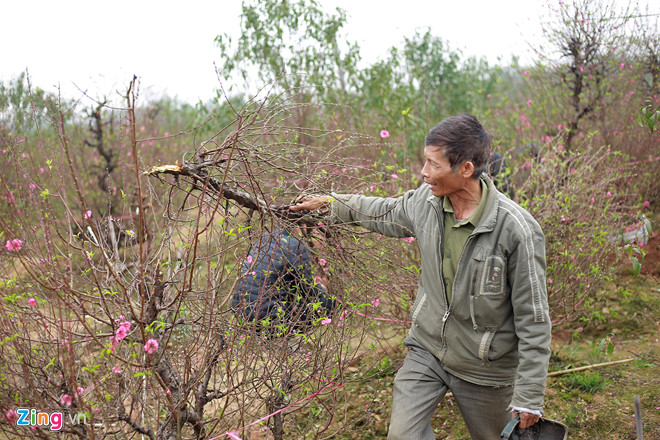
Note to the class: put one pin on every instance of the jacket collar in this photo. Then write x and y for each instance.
(489, 217)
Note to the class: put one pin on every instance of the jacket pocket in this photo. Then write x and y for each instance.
(418, 305)
(493, 277)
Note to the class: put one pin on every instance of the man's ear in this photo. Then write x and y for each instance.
(467, 169)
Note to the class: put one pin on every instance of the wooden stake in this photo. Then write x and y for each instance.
(571, 370)
(638, 418)
(587, 367)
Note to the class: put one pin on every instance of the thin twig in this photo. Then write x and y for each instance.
(587, 367)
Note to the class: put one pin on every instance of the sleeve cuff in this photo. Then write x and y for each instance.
(536, 412)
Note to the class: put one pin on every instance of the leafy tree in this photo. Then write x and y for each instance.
(589, 38)
(293, 42)
(17, 100)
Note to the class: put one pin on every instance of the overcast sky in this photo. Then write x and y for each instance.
(97, 45)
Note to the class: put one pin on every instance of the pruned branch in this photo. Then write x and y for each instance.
(201, 178)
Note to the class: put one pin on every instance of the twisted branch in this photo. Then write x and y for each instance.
(201, 178)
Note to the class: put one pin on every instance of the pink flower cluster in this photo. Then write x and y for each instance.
(151, 346)
(66, 400)
(11, 416)
(14, 245)
(120, 333)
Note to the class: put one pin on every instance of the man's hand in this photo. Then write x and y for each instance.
(310, 203)
(526, 419)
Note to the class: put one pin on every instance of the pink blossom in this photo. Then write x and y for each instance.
(249, 259)
(560, 147)
(14, 245)
(11, 415)
(80, 391)
(117, 369)
(646, 204)
(326, 321)
(395, 176)
(88, 215)
(384, 134)
(609, 194)
(151, 346)
(121, 333)
(529, 102)
(322, 262)
(409, 239)
(317, 279)
(32, 302)
(66, 400)
(375, 302)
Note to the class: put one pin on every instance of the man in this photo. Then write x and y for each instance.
(277, 285)
(480, 324)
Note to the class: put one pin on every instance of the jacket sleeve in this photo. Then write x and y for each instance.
(526, 274)
(387, 216)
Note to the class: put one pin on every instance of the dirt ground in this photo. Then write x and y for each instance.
(651, 264)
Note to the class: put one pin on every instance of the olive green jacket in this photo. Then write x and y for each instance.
(496, 331)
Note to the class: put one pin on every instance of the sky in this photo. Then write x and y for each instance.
(96, 46)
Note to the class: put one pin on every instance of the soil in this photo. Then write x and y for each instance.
(651, 264)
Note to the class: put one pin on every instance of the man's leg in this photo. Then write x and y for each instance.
(484, 409)
(418, 388)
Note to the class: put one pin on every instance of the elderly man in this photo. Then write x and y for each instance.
(480, 322)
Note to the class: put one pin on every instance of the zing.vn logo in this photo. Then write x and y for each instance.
(55, 420)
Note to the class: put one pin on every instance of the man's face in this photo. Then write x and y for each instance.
(437, 173)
